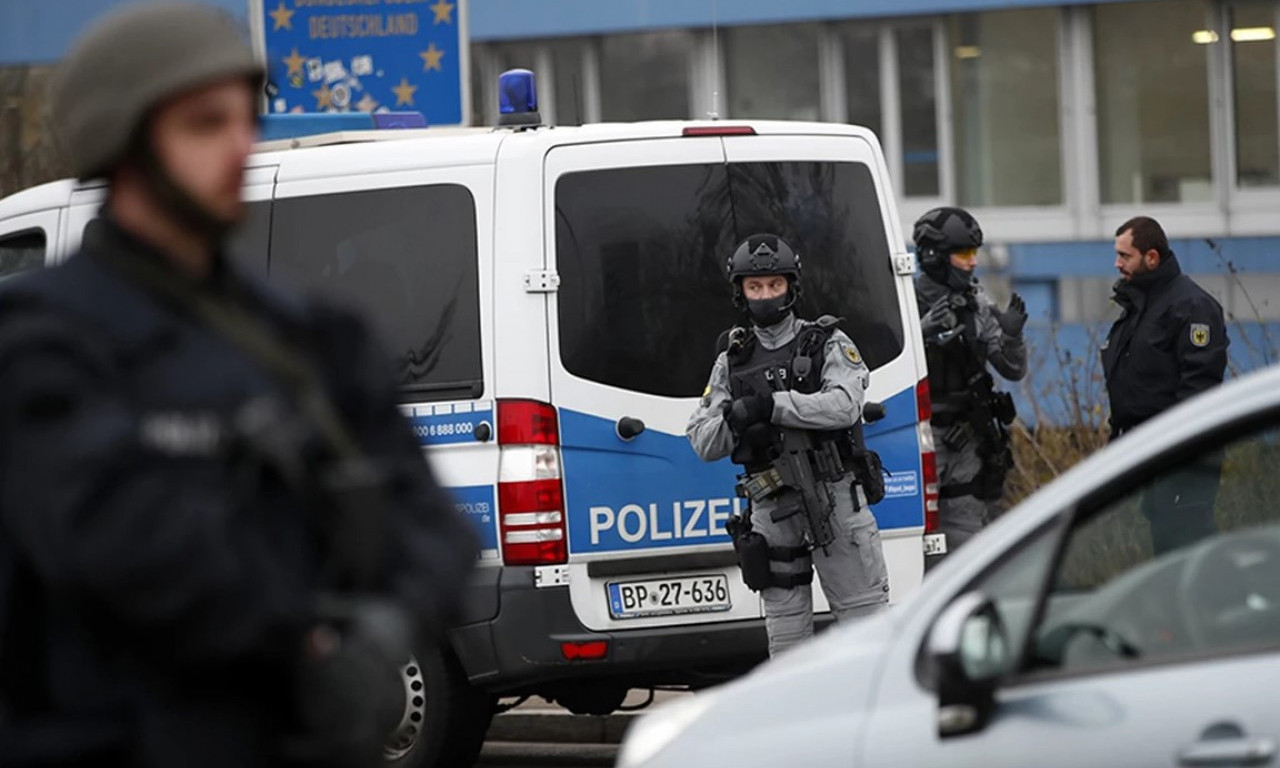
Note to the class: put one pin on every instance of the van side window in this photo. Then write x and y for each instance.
(641, 254)
(22, 252)
(406, 259)
(249, 242)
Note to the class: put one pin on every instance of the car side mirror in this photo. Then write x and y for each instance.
(968, 652)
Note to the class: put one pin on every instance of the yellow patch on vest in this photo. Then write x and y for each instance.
(851, 354)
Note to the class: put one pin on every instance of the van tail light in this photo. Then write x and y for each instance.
(531, 513)
(928, 458)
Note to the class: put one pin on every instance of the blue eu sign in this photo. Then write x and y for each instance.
(364, 56)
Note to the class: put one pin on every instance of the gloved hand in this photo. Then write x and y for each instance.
(940, 318)
(745, 411)
(1014, 317)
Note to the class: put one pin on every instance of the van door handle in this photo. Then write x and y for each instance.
(1229, 752)
(627, 427)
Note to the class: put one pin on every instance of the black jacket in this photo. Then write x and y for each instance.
(1170, 343)
(166, 579)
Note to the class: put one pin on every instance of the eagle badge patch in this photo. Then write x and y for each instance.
(1200, 334)
(851, 354)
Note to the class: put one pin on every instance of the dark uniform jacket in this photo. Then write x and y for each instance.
(1170, 343)
(163, 586)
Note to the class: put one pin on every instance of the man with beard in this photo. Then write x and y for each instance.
(1169, 344)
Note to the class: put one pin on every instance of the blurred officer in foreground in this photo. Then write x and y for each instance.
(220, 539)
(1169, 344)
(785, 401)
(964, 331)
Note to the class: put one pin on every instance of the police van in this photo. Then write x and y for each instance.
(553, 297)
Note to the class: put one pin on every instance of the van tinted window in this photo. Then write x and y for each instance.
(641, 254)
(406, 259)
(21, 252)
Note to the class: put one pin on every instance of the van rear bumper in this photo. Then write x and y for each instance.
(518, 649)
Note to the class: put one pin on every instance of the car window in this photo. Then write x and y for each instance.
(641, 256)
(1186, 564)
(21, 252)
(406, 259)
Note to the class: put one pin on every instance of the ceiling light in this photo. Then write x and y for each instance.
(1204, 36)
(968, 51)
(1251, 34)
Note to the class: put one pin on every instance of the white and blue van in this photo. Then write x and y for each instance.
(554, 297)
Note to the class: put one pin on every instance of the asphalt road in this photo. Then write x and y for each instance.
(510, 754)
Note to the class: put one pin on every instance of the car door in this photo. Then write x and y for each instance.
(1113, 653)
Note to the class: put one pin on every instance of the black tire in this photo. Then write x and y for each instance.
(445, 717)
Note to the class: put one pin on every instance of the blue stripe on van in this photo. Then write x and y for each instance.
(654, 491)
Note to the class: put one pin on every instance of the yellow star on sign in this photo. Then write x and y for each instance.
(294, 62)
(283, 17)
(431, 58)
(404, 92)
(324, 97)
(443, 10)
(367, 103)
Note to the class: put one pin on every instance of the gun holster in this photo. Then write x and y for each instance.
(753, 553)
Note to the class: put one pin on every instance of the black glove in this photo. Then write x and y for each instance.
(1014, 317)
(745, 411)
(940, 318)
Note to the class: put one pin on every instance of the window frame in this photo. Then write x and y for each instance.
(1253, 208)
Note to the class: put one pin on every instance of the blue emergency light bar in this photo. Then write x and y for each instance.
(297, 125)
(518, 98)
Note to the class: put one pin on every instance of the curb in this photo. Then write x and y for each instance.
(559, 727)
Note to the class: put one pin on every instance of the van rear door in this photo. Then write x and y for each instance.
(634, 248)
(639, 233)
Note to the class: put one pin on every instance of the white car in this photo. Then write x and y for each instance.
(1057, 637)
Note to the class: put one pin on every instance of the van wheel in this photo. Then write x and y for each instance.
(445, 719)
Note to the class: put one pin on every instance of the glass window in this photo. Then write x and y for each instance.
(772, 71)
(1004, 102)
(646, 76)
(406, 258)
(1151, 62)
(640, 253)
(21, 252)
(1184, 565)
(250, 240)
(566, 64)
(918, 91)
(861, 45)
(1253, 61)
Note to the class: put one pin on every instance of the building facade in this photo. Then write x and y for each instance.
(1054, 122)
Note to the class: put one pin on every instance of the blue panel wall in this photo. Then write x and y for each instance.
(34, 31)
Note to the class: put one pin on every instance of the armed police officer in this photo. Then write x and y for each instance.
(785, 401)
(220, 539)
(964, 332)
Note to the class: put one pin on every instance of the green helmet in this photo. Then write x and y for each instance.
(129, 63)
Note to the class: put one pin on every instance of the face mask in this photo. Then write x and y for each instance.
(767, 312)
(959, 279)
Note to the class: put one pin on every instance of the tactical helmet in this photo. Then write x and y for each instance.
(131, 62)
(763, 255)
(940, 233)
